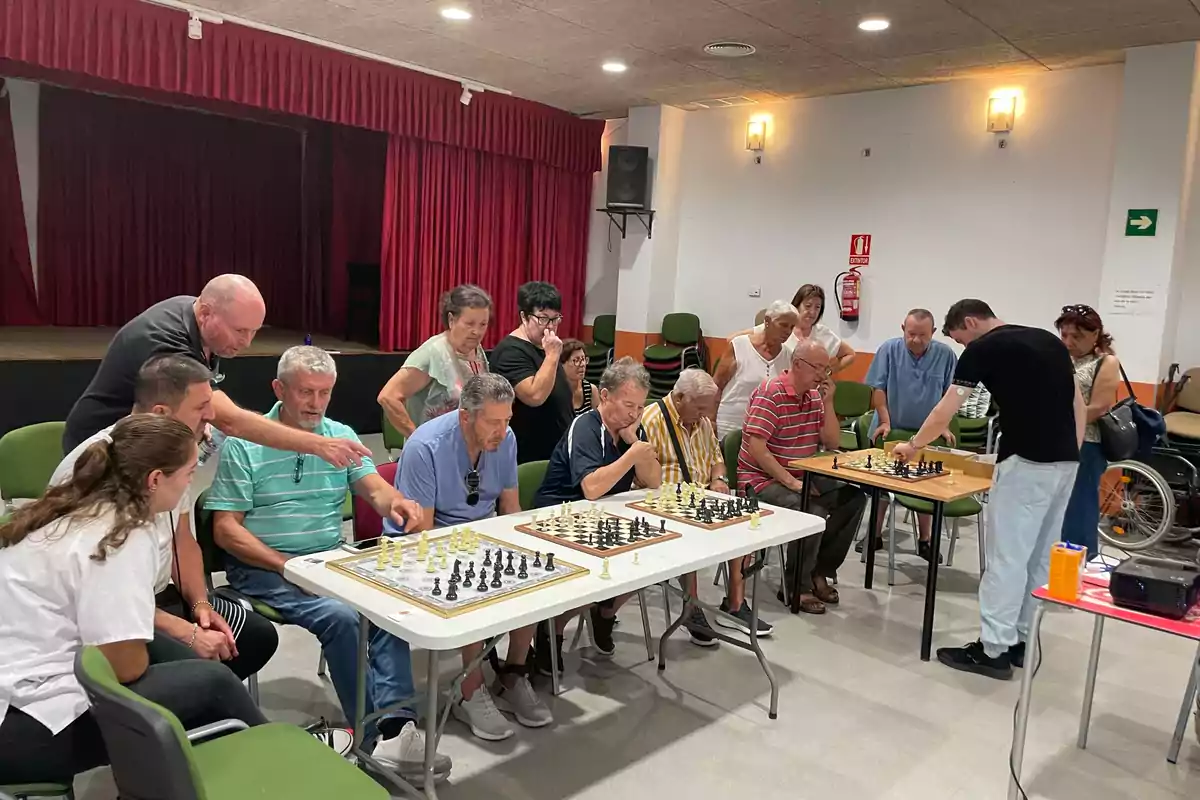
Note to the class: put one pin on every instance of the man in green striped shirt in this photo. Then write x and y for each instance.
(271, 505)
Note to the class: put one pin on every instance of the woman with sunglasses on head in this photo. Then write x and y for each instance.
(1098, 374)
(77, 568)
(575, 362)
(429, 383)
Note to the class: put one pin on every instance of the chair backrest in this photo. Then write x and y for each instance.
(367, 523)
(864, 429)
(529, 479)
(213, 556)
(28, 457)
(681, 328)
(149, 751)
(760, 317)
(730, 447)
(851, 399)
(604, 330)
(392, 438)
(1188, 399)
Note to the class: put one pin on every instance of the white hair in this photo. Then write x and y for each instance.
(780, 308)
(307, 359)
(480, 390)
(622, 371)
(693, 382)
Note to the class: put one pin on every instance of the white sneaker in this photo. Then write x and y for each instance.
(523, 703)
(406, 754)
(337, 739)
(481, 716)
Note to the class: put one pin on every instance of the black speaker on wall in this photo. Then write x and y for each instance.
(628, 177)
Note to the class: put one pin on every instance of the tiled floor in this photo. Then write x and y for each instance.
(860, 715)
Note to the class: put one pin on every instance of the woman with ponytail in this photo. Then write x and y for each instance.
(77, 568)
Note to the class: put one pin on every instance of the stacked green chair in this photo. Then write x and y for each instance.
(28, 457)
(529, 480)
(851, 400)
(600, 351)
(683, 347)
(974, 432)
(152, 756)
(392, 438)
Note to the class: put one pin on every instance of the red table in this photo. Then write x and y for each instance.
(1095, 599)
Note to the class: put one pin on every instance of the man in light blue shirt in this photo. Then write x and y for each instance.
(909, 375)
(460, 468)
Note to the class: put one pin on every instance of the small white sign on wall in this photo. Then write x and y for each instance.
(1131, 302)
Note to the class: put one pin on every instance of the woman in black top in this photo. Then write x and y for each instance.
(575, 362)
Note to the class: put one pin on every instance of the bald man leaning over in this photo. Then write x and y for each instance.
(218, 324)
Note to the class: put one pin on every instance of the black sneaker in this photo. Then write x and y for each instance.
(541, 653)
(925, 550)
(699, 629)
(880, 543)
(972, 658)
(602, 630)
(1016, 655)
(740, 620)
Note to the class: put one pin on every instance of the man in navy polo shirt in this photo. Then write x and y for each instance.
(462, 468)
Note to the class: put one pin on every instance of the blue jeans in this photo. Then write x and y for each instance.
(1025, 517)
(335, 624)
(1083, 511)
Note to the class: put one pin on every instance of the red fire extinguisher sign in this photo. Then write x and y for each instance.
(860, 249)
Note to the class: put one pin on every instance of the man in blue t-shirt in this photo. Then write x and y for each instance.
(461, 468)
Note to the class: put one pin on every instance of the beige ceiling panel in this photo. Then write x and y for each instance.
(938, 64)
(1090, 42)
(1030, 19)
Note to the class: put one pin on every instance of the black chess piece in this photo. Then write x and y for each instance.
(470, 575)
(537, 558)
(457, 566)
(482, 587)
(508, 570)
(939, 467)
(692, 501)
(645, 527)
(662, 527)
(437, 587)
(496, 582)
(523, 572)
(549, 562)
(868, 462)
(452, 592)
(487, 558)
(835, 464)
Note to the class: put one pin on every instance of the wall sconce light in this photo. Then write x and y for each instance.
(1001, 113)
(756, 138)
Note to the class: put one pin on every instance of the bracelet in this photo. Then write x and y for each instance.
(199, 603)
(195, 630)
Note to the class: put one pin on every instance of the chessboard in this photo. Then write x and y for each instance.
(595, 532)
(693, 504)
(454, 573)
(881, 464)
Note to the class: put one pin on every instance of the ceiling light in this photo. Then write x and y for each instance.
(614, 66)
(729, 49)
(874, 24)
(457, 14)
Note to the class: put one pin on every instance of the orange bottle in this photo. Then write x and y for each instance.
(1066, 570)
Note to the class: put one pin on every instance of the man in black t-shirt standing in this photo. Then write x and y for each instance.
(1030, 375)
(529, 358)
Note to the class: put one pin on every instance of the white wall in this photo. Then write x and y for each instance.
(23, 105)
(953, 215)
(604, 251)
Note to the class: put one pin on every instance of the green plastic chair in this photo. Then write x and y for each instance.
(529, 479)
(392, 438)
(28, 457)
(153, 756)
(681, 336)
(29, 791)
(851, 399)
(730, 447)
(604, 337)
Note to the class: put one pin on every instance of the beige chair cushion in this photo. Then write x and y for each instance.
(1183, 424)
(1189, 398)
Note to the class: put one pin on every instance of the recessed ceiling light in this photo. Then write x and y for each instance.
(614, 66)
(457, 14)
(729, 49)
(874, 24)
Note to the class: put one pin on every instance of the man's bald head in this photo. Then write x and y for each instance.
(229, 311)
(810, 365)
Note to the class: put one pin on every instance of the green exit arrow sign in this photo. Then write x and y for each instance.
(1141, 222)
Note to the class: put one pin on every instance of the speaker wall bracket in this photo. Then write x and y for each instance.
(620, 218)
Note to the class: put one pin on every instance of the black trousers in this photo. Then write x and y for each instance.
(257, 639)
(821, 555)
(196, 691)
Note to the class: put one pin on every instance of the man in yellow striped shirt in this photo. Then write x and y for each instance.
(688, 411)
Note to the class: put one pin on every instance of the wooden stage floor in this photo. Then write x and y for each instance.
(48, 343)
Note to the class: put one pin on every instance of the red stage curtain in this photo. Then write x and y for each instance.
(136, 44)
(358, 160)
(140, 202)
(18, 300)
(456, 216)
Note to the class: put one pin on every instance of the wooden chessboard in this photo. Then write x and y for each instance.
(687, 514)
(886, 466)
(573, 528)
(410, 579)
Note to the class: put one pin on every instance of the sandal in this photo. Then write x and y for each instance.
(811, 605)
(826, 594)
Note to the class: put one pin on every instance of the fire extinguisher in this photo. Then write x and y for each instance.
(849, 294)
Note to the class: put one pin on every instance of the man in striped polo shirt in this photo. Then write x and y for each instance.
(272, 505)
(791, 417)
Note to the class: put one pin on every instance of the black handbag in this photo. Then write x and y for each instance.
(1129, 429)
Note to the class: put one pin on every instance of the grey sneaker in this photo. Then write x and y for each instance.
(699, 629)
(523, 703)
(740, 620)
(482, 717)
(406, 754)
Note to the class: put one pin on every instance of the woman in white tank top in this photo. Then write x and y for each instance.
(753, 358)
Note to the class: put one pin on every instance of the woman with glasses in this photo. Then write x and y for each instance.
(575, 363)
(531, 359)
(431, 380)
(1098, 375)
(753, 357)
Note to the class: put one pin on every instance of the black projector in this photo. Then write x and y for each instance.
(1158, 586)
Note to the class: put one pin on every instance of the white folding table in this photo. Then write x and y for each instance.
(696, 549)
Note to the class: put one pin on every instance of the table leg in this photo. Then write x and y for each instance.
(689, 587)
(1017, 752)
(360, 682)
(872, 535)
(1185, 710)
(931, 581)
(1089, 685)
(552, 637)
(805, 487)
(773, 711)
(645, 624)
(431, 723)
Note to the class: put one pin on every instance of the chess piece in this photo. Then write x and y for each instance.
(604, 572)
(470, 575)
(533, 520)
(691, 500)
(452, 592)
(868, 462)
(662, 527)
(437, 587)
(523, 572)
(397, 554)
(537, 558)
(755, 520)
(496, 582)
(508, 570)
(423, 545)
(636, 560)
(381, 557)
(442, 560)
(430, 566)
(835, 464)
(549, 562)
(487, 558)
(482, 587)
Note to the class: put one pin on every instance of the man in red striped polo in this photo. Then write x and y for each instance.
(792, 417)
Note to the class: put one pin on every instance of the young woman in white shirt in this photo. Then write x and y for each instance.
(77, 568)
(810, 302)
